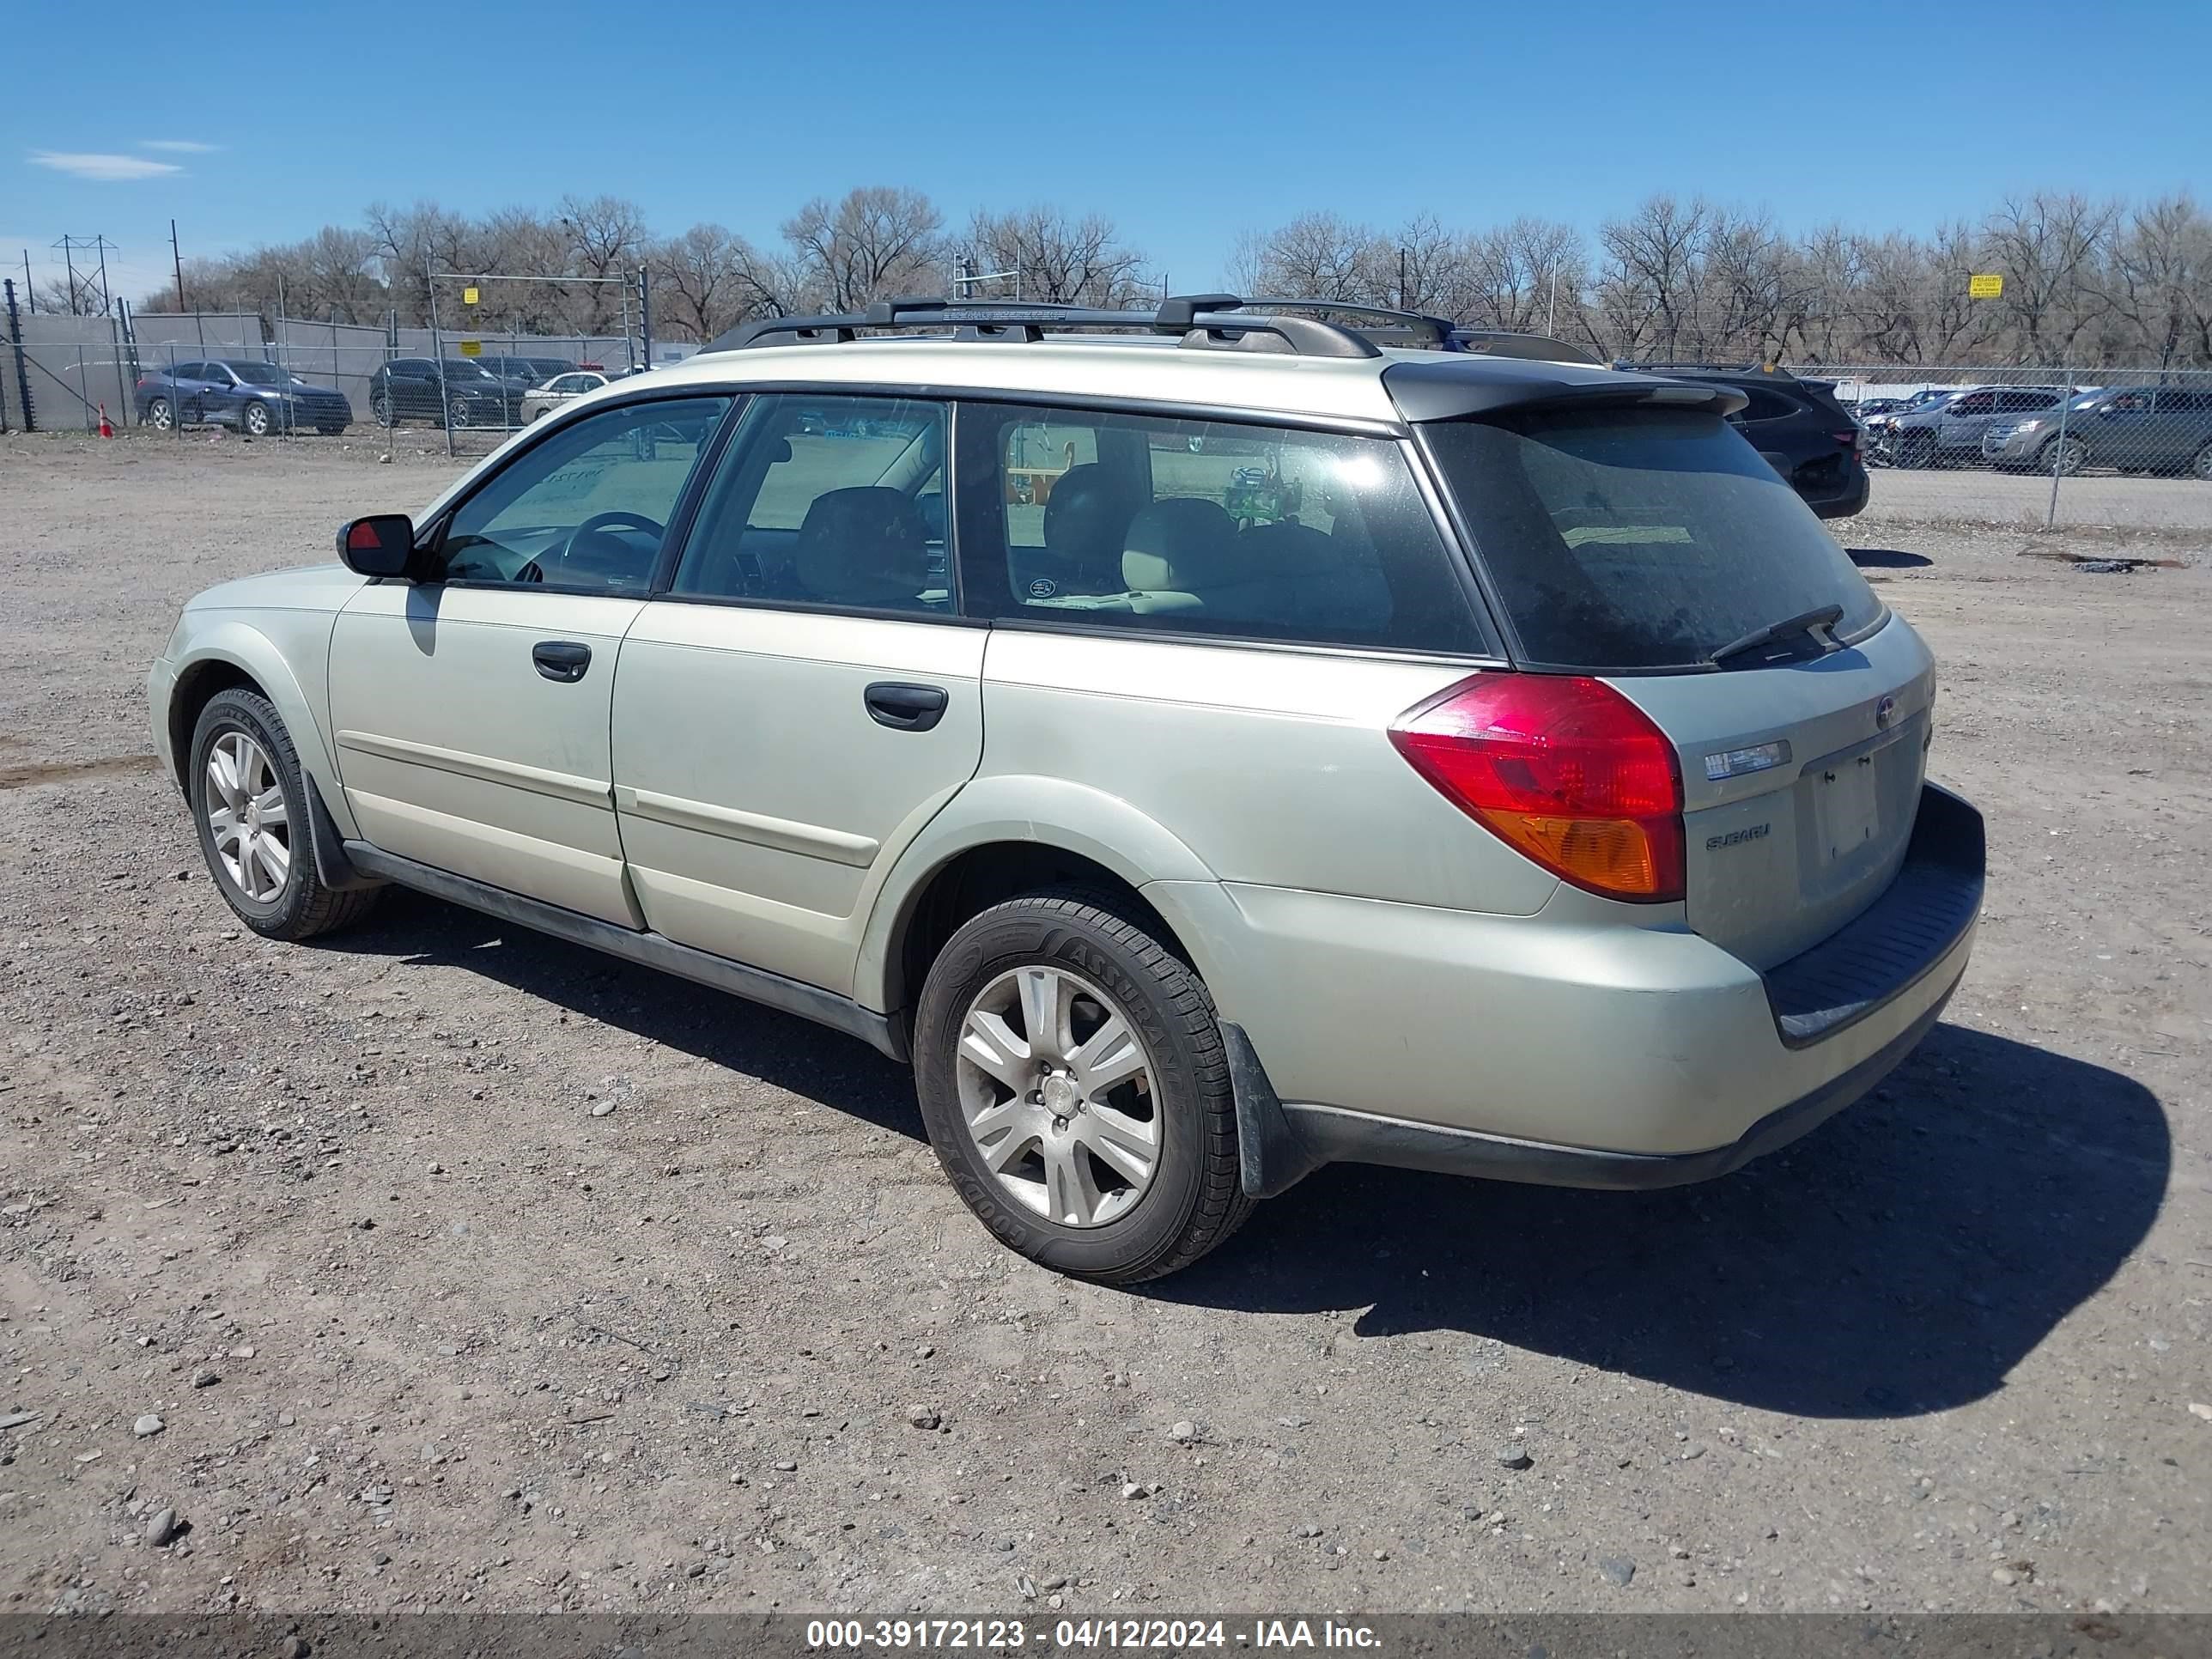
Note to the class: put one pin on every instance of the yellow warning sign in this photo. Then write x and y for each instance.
(468, 296)
(1985, 285)
(472, 348)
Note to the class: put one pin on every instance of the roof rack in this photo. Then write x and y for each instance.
(1214, 321)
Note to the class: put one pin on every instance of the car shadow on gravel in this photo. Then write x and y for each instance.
(1902, 1259)
(832, 1070)
(1887, 558)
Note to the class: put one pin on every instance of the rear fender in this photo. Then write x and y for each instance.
(1040, 811)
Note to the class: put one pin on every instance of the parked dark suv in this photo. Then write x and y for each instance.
(253, 396)
(1798, 428)
(423, 389)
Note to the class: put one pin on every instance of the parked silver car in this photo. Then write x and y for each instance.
(1204, 755)
(541, 401)
(1947, 431)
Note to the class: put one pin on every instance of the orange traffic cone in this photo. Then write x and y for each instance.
(106, 430)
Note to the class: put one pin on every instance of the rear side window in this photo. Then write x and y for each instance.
(1162, 525)
(1640, 540)
(2018, 403)
(1763, 405)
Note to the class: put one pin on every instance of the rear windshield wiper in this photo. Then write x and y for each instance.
(1826, 616)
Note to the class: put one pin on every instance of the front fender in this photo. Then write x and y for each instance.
(246, 646)
(1037, 811)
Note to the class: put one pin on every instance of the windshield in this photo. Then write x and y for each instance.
(1640, 540)
(259, 373)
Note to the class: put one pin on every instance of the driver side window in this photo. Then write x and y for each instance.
(832, 500)
(586, 509)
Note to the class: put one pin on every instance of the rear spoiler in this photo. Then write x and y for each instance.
(1444, 389)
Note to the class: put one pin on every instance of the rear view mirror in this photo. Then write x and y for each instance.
(382, 544)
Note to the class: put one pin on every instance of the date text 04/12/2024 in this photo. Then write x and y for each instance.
(1006, 1635)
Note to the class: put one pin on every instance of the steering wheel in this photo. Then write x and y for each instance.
(589, 537)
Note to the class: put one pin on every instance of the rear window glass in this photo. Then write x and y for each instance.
(1157, 524)
(1644, 540)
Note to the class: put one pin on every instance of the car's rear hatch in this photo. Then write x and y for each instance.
(1646, 547)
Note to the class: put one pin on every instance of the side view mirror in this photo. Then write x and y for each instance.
(382, 544)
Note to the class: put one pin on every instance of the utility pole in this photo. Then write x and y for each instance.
(1402, 306)
(29, 292)
(177, 260)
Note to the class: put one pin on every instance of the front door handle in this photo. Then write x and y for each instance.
(563, 660)
(905, 707)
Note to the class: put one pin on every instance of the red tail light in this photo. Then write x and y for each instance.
(1854, 439)
(1567, 771)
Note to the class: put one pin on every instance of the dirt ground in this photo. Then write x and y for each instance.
(423, 1328)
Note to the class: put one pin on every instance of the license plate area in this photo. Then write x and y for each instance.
(1848, 803)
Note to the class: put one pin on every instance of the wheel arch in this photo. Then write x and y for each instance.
(233, 654)
(1006, 835)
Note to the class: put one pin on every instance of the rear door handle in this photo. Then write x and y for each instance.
(905, 707)
(563, 660)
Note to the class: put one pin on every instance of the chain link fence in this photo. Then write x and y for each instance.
(476, 374)
(2124, 449)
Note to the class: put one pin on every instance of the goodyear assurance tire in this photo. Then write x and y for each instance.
(1073, 1083)
(249, 803)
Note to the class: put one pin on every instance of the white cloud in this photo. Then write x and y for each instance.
(182, 146)
(107, 168)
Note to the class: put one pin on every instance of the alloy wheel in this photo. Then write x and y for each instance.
(1060, 1095)
(160, 415)
(249, 819)
(2069, 455)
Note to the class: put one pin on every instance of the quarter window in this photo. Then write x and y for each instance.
(1156, 524)
(586, 508)
(827, 500)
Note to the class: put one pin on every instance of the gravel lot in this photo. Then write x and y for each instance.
(421, 1327)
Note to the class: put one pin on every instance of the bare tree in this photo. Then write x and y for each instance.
(2048, 248)
(1648, 289)
(2161, 284)
(1318, 256)
(606, 238)
(876, 243)
(1527, 278)
(1074, 261)
(712, 278)
(2086, 281)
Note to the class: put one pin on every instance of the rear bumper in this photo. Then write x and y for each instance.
(1546, 1051)
(1842, 503)
(1311, 1136)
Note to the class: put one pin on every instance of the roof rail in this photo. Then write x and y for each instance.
(1215, 321)
(1537, 347)
(1660, 366)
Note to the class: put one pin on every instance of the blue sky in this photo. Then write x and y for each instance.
(1186, 123)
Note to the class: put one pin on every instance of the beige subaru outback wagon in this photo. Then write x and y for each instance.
(1206, 743)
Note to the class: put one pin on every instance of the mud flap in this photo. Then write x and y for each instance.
(1272, 1156)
